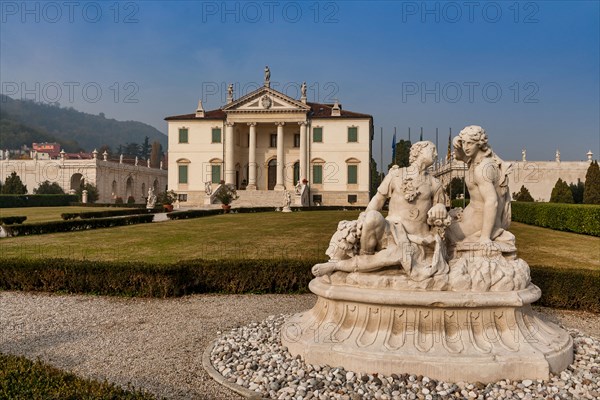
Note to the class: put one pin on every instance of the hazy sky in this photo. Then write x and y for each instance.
(528, 72)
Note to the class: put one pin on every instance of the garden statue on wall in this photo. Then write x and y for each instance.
(430, 292)
(151, 201)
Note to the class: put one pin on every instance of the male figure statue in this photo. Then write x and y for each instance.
(404, 237)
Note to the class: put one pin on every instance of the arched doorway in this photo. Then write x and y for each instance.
(114, 189)
(144, 190)
(155, 186)
(76, 181)
(129, 188)
(272, 174)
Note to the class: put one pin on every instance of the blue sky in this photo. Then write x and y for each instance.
(529, 72)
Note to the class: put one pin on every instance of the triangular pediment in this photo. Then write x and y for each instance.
(267, 100)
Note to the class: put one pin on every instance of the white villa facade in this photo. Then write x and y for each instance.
(266, 142)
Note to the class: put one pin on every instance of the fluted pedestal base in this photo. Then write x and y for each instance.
(450, 336)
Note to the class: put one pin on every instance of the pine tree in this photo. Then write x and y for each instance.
(49, 188)
(577, 190)
(402, 154)
(14, 185)
(145, 148)
(522, 195)
(561, 193)
(591, 192)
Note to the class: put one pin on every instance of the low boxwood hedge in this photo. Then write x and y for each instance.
(578, 218)
(21, 378)
(12, 220)
(108, 213)
(561, 288)
(36, 200)
(41, 228)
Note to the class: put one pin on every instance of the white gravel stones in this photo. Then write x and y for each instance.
(252, 356)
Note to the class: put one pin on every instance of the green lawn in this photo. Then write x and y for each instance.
(44, 214)
(264, 235)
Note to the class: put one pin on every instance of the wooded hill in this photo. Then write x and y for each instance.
(25, 121)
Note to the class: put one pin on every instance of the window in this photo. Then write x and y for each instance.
(317, 199)
(296, 172)
(183, 174)
(352, 134)
(317, 135)
(296, 140)
(273, 140)
(183, 135)
(352, 174)
(317, 174)
(182, 197)
(352, 198)
(216, 135)
(215, 173)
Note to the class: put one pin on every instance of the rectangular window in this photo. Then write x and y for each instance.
(215, 173)
(296, 140)
(317, 174)
(183, 135)
(352, 174)
(183, 174)
(352, 134)
(352, 198)
(273, 140)
(182, 197)
(317, 135)
(317, 199)
(216, 135)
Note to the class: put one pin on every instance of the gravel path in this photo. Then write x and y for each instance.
(153, 344)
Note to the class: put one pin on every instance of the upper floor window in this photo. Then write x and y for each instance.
(273, 139)
(317, 135)
(352, 134)
(216, 135)
(183, 135)
(296, 140)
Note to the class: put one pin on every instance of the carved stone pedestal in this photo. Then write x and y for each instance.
(450, 336)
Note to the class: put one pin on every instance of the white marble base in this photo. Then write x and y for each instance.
(450, 336)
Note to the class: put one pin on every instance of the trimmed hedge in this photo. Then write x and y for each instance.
(561, 288)
(193, 214)
(153, 280)
(12, 220)
(106, 214)
(75, 225)
(242, 210)
(36, 200)
(578, 218)
(21, 378)
(115, 205)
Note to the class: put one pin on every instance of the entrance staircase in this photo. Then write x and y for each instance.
(259, 198)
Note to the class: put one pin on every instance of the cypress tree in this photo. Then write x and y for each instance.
(522, 195)
(591, 191)
(14, 185)
(561, 193)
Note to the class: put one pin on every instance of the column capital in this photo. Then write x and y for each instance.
(280, 123)
(252, 123)
(303, 123)
(229, 123)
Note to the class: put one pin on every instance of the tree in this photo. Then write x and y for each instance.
(14, 185)
(105, 148)
(93, 195)
(376, 178)
(455, 188)
(561, 193)
(402, 154)
(522, 195)
(132, 149)
(591, 193)
(49, 188)
(145, 148)
(155, 154)
(577, 191)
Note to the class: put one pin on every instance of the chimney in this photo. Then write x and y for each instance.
(336, 111)
(200, 110)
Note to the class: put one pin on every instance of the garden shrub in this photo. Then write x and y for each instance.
(12, 220)
(107, 213)
(36, 200)
(578, 218)
(577, 289)
(41, 228)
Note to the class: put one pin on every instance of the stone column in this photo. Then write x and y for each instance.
(252, 157)
(229, 165)
(279, 185)
(303, 151)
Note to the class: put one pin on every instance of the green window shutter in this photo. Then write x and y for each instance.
(317, 135)
(216, 135)
(183, 135)
(352, 174)
(216, 173)
(317, 174)
(183, 174)
(352, 134)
